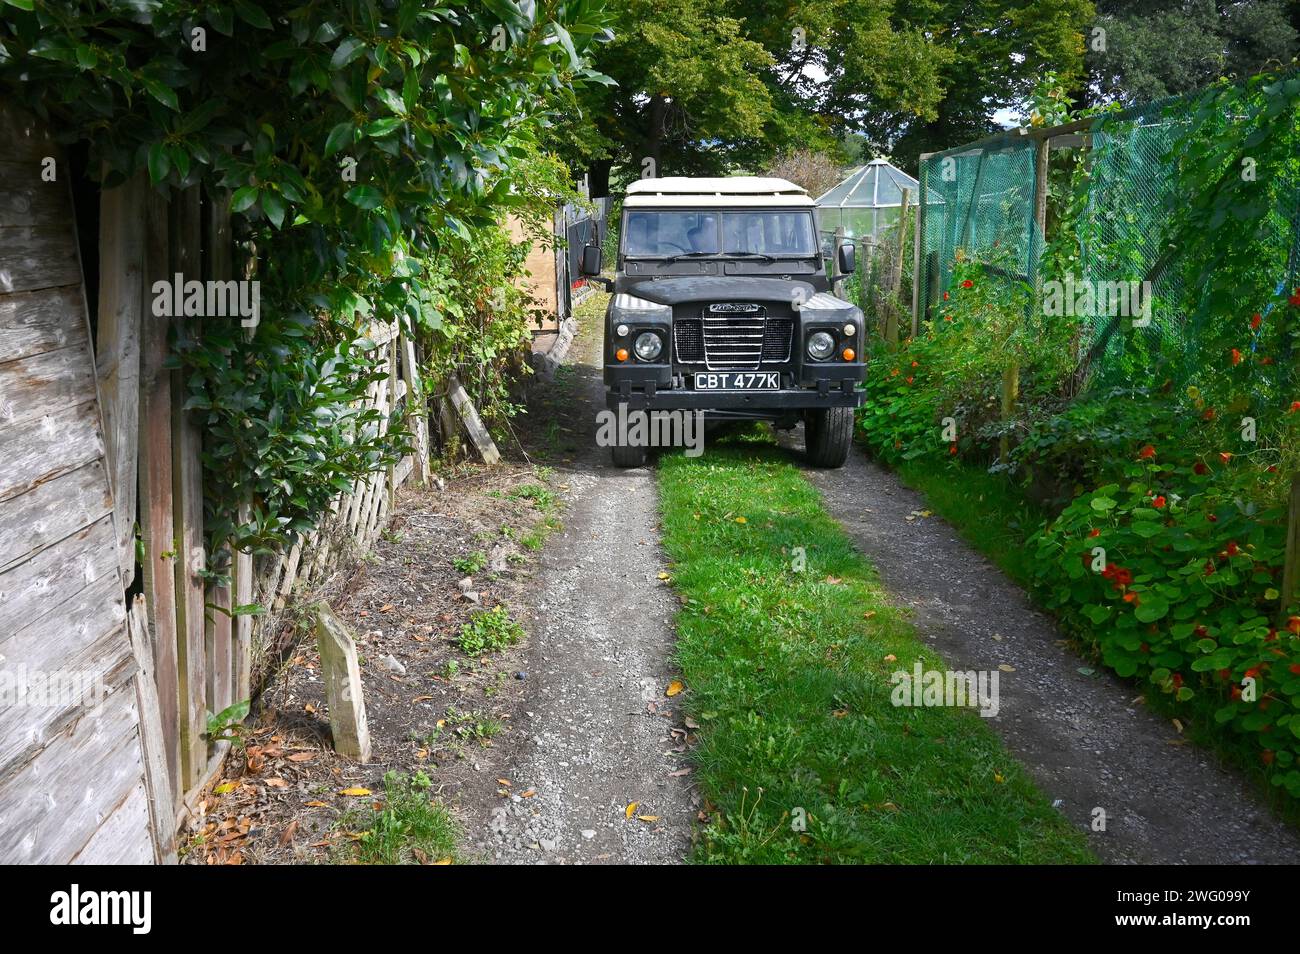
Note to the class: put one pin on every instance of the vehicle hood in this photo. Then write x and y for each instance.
(711, 288)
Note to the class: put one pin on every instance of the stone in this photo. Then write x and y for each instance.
(343, 691)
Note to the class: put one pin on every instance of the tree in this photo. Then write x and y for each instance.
(1155, 48)
(999, 49)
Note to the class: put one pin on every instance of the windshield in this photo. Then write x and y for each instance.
(665, 234)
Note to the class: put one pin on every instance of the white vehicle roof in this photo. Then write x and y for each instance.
(732, 191)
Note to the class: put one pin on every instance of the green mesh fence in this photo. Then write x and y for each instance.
(1125, 236)
(978, 203)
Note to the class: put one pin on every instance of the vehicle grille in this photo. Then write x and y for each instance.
(733, 343)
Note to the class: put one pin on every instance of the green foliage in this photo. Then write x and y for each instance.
(367, 150)
(470, 564)
(409, 829)
(1157, 48)
(1182, 594)
(489, 631)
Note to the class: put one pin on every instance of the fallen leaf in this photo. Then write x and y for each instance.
(355, 792)
(443, 861)
(504, 781)
(998, 778)
(317, 805)
(1178, 725)
(287, 835)
(679, 773)
(631, 809)
(891, 658)
(528, 794)
(674, 688)
(277, 782)
(648, 818)
(302, 756)
(664, 576)
(421, 698)
(833, 580)
(741, 520)
(868, 614)
(1005, 668)
(225, 787)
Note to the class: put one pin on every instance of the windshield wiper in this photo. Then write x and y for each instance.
(746, 255)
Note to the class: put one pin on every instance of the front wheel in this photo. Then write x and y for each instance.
(828, 434)
(628, 456)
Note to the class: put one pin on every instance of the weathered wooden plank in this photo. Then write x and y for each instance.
(187, 515)
(158, 568)
(217, 635)
(51, 511)
(487, 448)
(37, 321)
(123, 837)
(33, 387)
(343, 691)
(117, 349)
(47, 448)
(61, 797)
(44, 256)
(153, 745)
(26, 201)
(32, 587)
(25, 138)
(92, 645)
(243, 585)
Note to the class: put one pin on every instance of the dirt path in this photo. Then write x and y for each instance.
(1084, 738)
(595, 728)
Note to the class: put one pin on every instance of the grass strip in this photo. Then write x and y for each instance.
(789, 672)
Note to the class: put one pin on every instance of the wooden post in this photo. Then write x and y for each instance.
(153, 744)
(156, 512)
(417, 410)
(896, 273)
(187, 496)
(916, 244)
(1291, 564)
(1011, 374)
(219, 624)
(343, 691)
(117, 350)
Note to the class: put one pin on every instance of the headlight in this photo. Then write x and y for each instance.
(648, 345)
(622, 331)
(850, 330)
(820, 346)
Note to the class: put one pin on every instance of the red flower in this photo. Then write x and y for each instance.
(1209, 414)
(1256, 321)
(1225, 456)
(947, 317)
(1213, 518)
(1209, 568)
(1233, 549)
(1132, 598)
(1295, 298)
(1224, 673)
(917, 364)
(1109, 572)
(1095, 532)
(968, 284)
(1295, 669)
(1266, 757)
(1252, 672)
(1177, 680)
(1236, 692)
(1293, 624)
(1200, 468)
(910, 379)
(1123, 577)
(1159, 502)
(952, 449)
(1147, 452)
(1236, 356)
(945, 296)
(1295, 406)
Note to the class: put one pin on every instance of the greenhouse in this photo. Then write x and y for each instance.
(868, 201)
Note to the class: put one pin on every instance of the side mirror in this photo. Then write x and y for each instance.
(848, 258)
(591, 261)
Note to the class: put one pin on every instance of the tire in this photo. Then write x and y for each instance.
(628, 456)
(828, 435)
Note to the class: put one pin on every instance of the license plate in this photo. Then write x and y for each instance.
(738, 381)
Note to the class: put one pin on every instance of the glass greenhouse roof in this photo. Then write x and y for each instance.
(875, 185)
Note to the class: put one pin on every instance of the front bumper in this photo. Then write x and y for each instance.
(824, 393)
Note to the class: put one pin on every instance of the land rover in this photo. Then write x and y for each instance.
(723, 302)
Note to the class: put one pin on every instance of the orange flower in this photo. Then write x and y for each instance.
(1256, 321)
(952, 449)
(1147, 452)
(1209, 414)
(1295, 298)
(1236, 356)
(1159, 502)
(1225, 456)
(1295, 406)
(968, 284)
